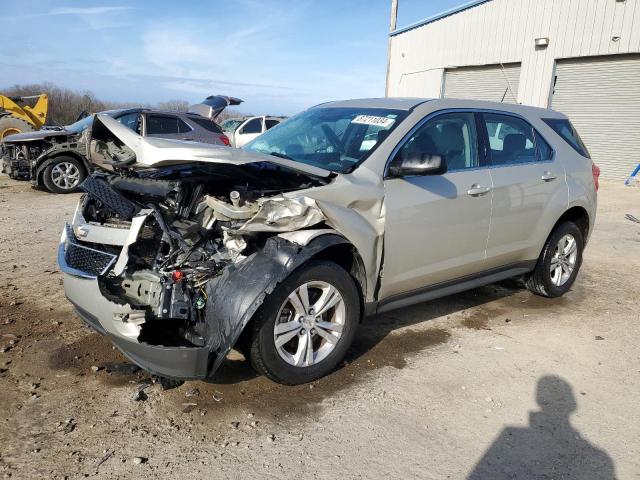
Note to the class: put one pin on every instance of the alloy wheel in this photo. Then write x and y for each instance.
(65, 175)
(564, 260)
(309, 324)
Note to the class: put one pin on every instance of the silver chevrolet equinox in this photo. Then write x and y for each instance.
(179, 251)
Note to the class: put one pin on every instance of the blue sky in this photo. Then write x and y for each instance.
(279, 56)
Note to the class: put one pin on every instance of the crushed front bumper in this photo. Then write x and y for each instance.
(81, 267)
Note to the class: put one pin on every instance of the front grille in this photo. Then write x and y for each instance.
(87, 260)
(101, 190)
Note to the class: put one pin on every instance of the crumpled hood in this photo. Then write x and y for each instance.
(156, 152)
(39, 135)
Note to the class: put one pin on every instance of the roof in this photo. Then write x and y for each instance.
(438, 16)
(525, 110)
(394, 103)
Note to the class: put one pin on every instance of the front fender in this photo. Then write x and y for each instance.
(235, 296)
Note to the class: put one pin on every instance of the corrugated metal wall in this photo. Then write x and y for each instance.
(503, 31)
(494, 83)
(602, 97)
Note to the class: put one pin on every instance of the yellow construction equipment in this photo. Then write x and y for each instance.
(17, 117)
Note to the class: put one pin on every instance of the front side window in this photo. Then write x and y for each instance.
(511, 140)
(164, 125)
(336, 139)
(569, 134)
(131, 120)
(451, 135)
(80, 125)
(253, 126)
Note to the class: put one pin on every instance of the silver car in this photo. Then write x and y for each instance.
(350, 208)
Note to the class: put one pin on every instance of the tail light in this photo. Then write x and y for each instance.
(224, 139)
(595, 171)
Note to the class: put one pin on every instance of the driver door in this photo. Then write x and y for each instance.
(437, 225)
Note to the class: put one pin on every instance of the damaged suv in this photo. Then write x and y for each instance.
(180, 252)
(58, 160)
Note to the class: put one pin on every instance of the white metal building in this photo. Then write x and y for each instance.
(581, 57)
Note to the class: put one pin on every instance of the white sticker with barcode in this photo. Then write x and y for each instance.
(383, 122)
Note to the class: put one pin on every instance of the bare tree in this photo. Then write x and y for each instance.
(66, 105)
(173, 106)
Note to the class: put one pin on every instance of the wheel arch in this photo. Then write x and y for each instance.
(346, 256)
(45, 160)
(578, 215)
(239, 292)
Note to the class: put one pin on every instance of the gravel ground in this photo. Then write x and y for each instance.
(493, 383)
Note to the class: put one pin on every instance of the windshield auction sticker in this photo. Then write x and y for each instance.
(383, 122)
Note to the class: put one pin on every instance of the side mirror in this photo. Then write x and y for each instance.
(418, 164)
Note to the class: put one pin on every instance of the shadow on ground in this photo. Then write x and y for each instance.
(549, 447)
(382, 340)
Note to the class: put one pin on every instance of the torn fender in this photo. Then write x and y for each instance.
(354, 206)
(236, 295)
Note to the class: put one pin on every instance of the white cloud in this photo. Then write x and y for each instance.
(88, 10)
(171, 48)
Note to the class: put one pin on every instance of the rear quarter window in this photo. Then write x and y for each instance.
(568, 133)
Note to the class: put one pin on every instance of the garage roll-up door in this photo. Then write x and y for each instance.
(488, 82)
(601, 96)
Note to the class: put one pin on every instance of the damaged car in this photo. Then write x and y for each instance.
(58, 159)
(180, 252)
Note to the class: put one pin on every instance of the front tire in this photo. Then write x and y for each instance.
(64, 175)
(559, 262)
(305, 327)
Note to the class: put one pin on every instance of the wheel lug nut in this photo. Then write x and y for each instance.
(302, 331)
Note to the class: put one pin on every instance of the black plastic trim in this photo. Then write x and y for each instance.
(454, 286)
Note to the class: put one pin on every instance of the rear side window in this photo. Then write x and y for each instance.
(511, 140)
(206, 124)
(161, 125)
(545, 152)
(564, 128)
(271, 123)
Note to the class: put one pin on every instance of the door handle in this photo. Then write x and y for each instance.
(188, 139)
(547, 176)
(478, 190)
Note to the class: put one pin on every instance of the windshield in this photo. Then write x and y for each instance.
(80, 125)
(336, 139)
(230, 125)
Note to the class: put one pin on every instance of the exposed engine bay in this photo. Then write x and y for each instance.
(187, 225)
(19, 155)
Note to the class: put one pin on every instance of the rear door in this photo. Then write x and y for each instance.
(436, 226)
(528, 188)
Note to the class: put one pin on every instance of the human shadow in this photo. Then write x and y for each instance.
(549, 448)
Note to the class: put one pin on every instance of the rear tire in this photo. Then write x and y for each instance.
(64, 175)
(559, 262)
(327, 332)
(11, 125)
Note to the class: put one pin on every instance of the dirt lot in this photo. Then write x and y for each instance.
(484, 382)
